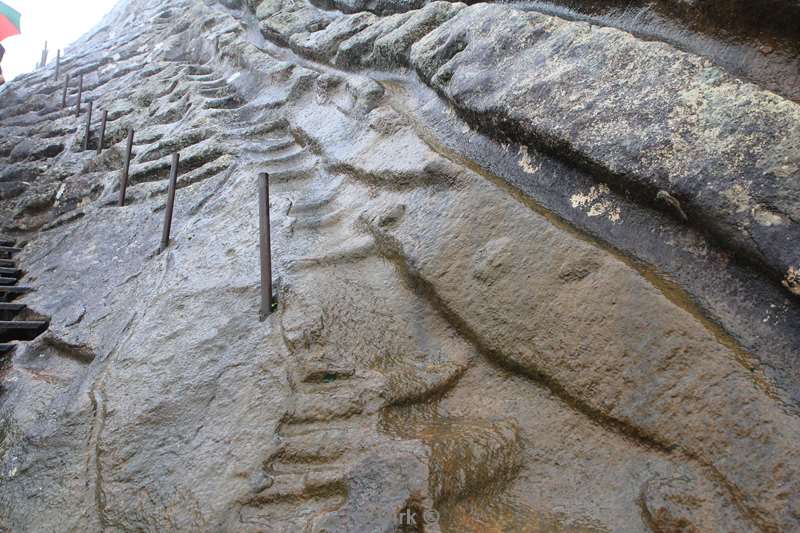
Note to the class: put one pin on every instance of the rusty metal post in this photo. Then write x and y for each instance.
(173, 181)
(64, 96)
(80, 95)
(102, 136)
(88, 131)
(123, 180)
(58, 63)
(44, 55)
(265, 246)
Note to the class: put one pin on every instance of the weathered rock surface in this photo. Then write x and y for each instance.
(706, 139)
(645, 118)
(545, 297)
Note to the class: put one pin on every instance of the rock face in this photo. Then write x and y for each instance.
(704, 138)
(532, 274)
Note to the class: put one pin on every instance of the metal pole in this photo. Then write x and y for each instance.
(265, 245)
(80, 95)
(173, 180)
(64, 96)
(123, 180)
(44, 55)
(88, 131)
(102, 132)
(58, 63)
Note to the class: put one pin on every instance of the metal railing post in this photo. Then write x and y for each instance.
(123, 180)
(80, 95)
(64, 95)
(265, 246)
(44, 55)
(102, 136)
(88, 131)
(173, 181)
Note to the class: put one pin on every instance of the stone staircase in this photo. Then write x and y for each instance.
(15, 321)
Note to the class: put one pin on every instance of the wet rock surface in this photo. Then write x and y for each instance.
(532, 275)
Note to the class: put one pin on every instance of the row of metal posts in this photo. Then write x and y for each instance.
(44, 60)
(268, 302)
(88, 129)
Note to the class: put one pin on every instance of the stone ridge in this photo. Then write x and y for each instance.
(661, 125)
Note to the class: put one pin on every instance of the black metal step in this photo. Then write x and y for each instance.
(7, 281)
(10, 249)
(6, 347)
(22, 324)
(12, 272)
(5, 241)
(10, 263)
(6, 306)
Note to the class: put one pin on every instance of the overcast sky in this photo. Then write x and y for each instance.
(60, 22)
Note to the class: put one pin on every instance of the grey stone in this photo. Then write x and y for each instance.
(357, 50)
(392, 49)
(470, 328)
(675, 123)
(324, 43)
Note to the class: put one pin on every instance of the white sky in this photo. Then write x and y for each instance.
(59, 22)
